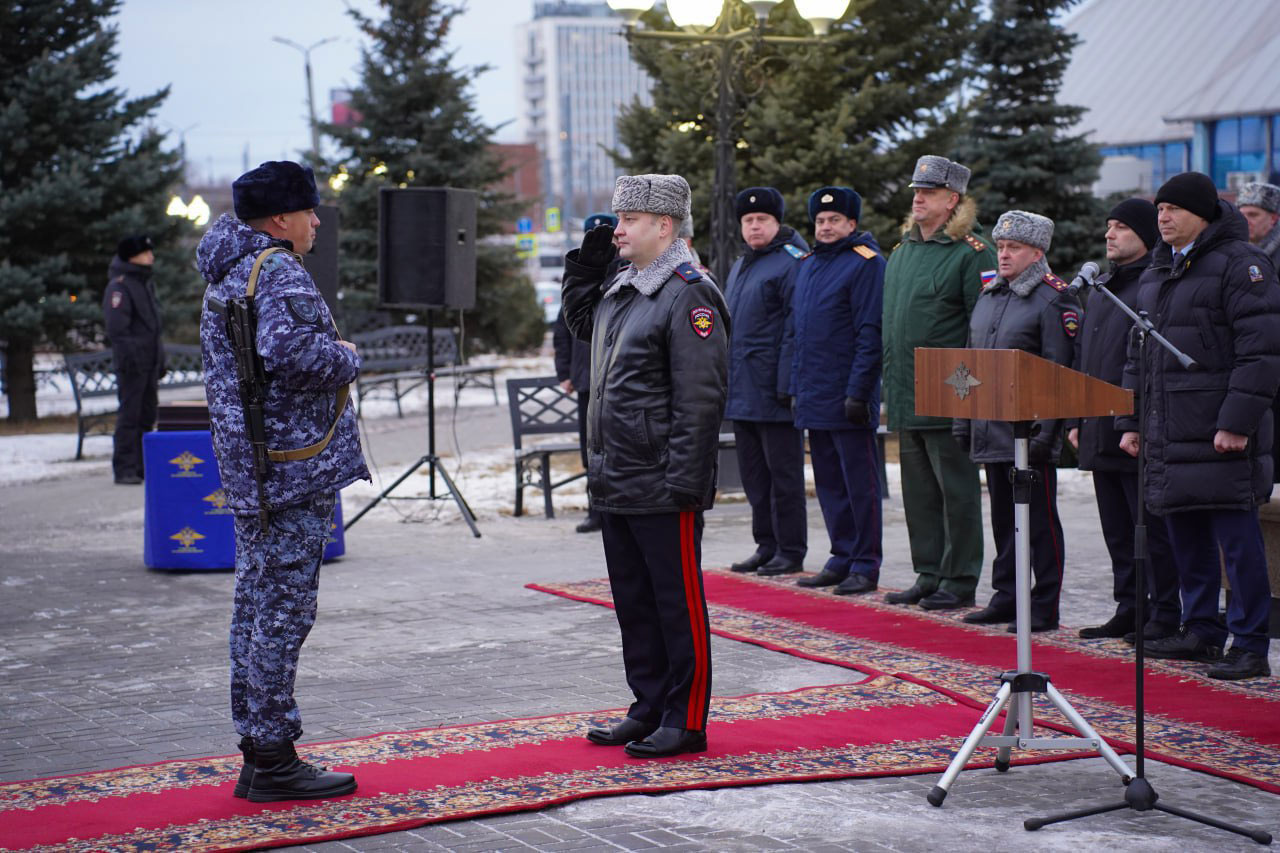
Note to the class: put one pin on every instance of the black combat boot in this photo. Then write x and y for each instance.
(246, 770)
(280, 775)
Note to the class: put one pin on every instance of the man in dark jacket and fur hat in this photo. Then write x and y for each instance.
(930, 287)
(1101, 351)
(659, 353)
(1208, 431)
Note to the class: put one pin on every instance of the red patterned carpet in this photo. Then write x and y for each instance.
(1229, 729)
(879, 726)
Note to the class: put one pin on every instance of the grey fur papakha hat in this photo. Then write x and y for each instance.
(1258, 194)
(1024, 227)
(665, 195)
(934, 172)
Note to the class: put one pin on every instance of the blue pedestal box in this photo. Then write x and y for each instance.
(186, 522)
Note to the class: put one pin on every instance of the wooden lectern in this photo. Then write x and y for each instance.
(1018, 387)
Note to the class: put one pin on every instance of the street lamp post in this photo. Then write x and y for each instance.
(710, 23)
(311, 98)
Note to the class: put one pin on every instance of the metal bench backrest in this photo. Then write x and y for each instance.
(539, 406)
(404, 348)
(93, 374)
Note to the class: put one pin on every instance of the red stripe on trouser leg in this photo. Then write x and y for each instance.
(695, 715)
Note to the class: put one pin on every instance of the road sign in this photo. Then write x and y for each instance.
(524, 225)
(527, 247)
(553, 220)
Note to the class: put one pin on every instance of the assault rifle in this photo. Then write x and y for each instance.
(251, 384)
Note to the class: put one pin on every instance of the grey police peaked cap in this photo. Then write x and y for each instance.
(665, 195)
(934, 172)
(1024, 227)
(1258, 194)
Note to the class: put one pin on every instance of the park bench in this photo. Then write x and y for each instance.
(393, 362)
(540, 407)
(93, 376)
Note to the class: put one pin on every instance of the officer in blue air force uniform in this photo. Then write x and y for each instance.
(658, 331)
(1026, 307)
(835, 382)
(770, 449)
(310, 427)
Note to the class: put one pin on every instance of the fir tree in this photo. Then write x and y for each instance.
(418, 128)
(78, 170)
(855, 110)
(1020, 148)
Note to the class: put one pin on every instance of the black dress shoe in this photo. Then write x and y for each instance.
(750, 564)
(590, 524)
(780, 566)
(1037, 625)
(1153, 631)
(1116, 626)
(668, 741)
(1185, 645)
(854, 585)
(988, 616)
(1238, 664)
(826, 577)
(945, 599)
(624, 732)
(911, 595)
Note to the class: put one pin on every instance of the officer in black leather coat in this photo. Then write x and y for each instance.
(131, 315)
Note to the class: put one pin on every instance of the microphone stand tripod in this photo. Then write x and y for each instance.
(1139, 795)
(435, 466)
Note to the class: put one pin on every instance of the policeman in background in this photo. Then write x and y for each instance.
(573, 365)
(131, 315)
(314, 447)
(931, 284)
(835, 382)
(770, 449)
(1209, 430)
(1026, 307)
(1100, 352)
(1260, 205)
(659, 357)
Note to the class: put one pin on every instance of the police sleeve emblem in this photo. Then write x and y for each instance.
(703, 321)
(1070, 323)
(117, 297)
(304, 308)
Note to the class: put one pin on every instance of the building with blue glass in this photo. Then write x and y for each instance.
(1177, 85)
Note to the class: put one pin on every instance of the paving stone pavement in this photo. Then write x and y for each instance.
(104, 664)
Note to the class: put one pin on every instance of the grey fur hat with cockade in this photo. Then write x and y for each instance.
(1258, 194)
(934, 172)
(1024, 227)
(665, 195)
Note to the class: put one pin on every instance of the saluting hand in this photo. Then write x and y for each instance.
(597, 247)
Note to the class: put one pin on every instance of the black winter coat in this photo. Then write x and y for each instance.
(131, 315)
(1101, 351)
(659, 366)
(761, 285)
(572, 356)
(1221, 306)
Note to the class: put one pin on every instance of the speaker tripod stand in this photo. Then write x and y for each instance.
(1139, 795)
(435, 466)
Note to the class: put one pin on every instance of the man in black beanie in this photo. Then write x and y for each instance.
(1209, 431)
(1131, 235)
(131, 315)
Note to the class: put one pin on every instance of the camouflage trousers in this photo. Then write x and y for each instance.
(277, 576)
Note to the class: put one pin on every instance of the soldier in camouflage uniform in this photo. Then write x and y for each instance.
(312, 437)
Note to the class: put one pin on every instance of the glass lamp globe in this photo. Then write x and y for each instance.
(820, 13)
(631, 10)
(695, 14)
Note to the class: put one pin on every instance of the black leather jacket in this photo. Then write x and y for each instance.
(659, 366)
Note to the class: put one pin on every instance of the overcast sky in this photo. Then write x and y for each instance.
(232, 86)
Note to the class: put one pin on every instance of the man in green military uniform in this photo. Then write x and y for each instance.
(930, 287)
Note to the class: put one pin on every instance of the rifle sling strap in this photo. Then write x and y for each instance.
(343, 392)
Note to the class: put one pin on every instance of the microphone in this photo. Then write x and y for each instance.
(1084, 278)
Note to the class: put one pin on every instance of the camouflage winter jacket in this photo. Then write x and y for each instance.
(305, 366)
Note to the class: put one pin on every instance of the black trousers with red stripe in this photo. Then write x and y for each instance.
(1048, 549)
(655, 571)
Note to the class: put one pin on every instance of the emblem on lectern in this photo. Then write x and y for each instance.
(962, 380)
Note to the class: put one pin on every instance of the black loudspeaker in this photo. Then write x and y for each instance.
(322, 261)
(426, 248)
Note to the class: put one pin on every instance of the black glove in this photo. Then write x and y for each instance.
(685, 500)
(857, 412)
(597, 247)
